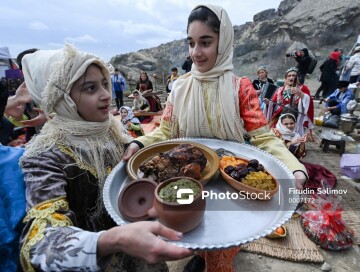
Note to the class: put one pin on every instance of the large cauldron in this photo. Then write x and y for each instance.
(348, 122)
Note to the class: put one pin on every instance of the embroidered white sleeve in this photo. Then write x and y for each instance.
(66, 249)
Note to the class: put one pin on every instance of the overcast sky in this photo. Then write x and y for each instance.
(107, 27)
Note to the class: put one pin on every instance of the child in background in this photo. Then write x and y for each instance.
(141, 104)
(130, 122)
(174, 76)
(285, 129)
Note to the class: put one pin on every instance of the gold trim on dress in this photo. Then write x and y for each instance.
(68, 151)
(43, 215)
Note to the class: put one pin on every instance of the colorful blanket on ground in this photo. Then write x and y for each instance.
(149, 127)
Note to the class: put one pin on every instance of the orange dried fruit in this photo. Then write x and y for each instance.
(230, 160)
(280, 230)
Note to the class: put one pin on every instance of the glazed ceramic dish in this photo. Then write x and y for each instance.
(241, 187)
(151, 151)
(237, 221)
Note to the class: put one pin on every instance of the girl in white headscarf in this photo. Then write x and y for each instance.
(285, 128)
(130, 122)
(65, 167)
(210, 101)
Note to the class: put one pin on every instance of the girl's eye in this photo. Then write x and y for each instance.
(191, 44)
(89, 88)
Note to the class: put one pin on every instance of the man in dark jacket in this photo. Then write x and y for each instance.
(187, 64)
(303, 59)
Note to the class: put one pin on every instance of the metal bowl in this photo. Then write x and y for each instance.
(348, 122)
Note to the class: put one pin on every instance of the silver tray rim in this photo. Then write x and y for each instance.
(286, 216)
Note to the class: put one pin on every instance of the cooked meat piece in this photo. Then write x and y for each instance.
(187, 153)
(192, 170)
(183, 160)
(159, 168)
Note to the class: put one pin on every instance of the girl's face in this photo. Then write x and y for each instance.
(262, 74)
(288, 123)
(203, 45)
(91, 96)
(143, 76)
(123, 113)
(136, 96)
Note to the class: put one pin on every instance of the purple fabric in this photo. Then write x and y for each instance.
(350, 165)
(13, 74)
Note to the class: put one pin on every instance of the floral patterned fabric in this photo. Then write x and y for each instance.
(63, 222)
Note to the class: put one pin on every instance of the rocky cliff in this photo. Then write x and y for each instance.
(320, 25)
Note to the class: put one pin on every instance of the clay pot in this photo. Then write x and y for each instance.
(136, 198)
(180, 217)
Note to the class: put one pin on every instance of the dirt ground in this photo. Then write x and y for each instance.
(338, 261)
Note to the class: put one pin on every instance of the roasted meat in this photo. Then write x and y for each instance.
(183, 160)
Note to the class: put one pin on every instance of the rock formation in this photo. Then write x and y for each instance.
(320, 26)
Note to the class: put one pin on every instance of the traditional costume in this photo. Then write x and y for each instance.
(318, 174)
(287, 135)
(65, 167)
(154, 101)
(218, 104)
(304, 107)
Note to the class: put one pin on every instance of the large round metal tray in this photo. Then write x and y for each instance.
(227, 222)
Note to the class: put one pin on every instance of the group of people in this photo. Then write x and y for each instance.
(338, 67)
(65, 165)
(293, 96)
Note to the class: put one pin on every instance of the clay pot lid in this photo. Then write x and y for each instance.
(136, 198)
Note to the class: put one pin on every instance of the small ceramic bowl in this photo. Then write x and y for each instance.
(180, 217)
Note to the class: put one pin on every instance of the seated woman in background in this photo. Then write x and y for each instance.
(318, 174)
(285, 129)
(145, 86)
(336, 102)
(130, 122)
(141, 105)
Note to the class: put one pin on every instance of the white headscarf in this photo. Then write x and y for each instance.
(221, 117)
(129, 117)
(49, 77)
(286, 133)
(140, 101)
